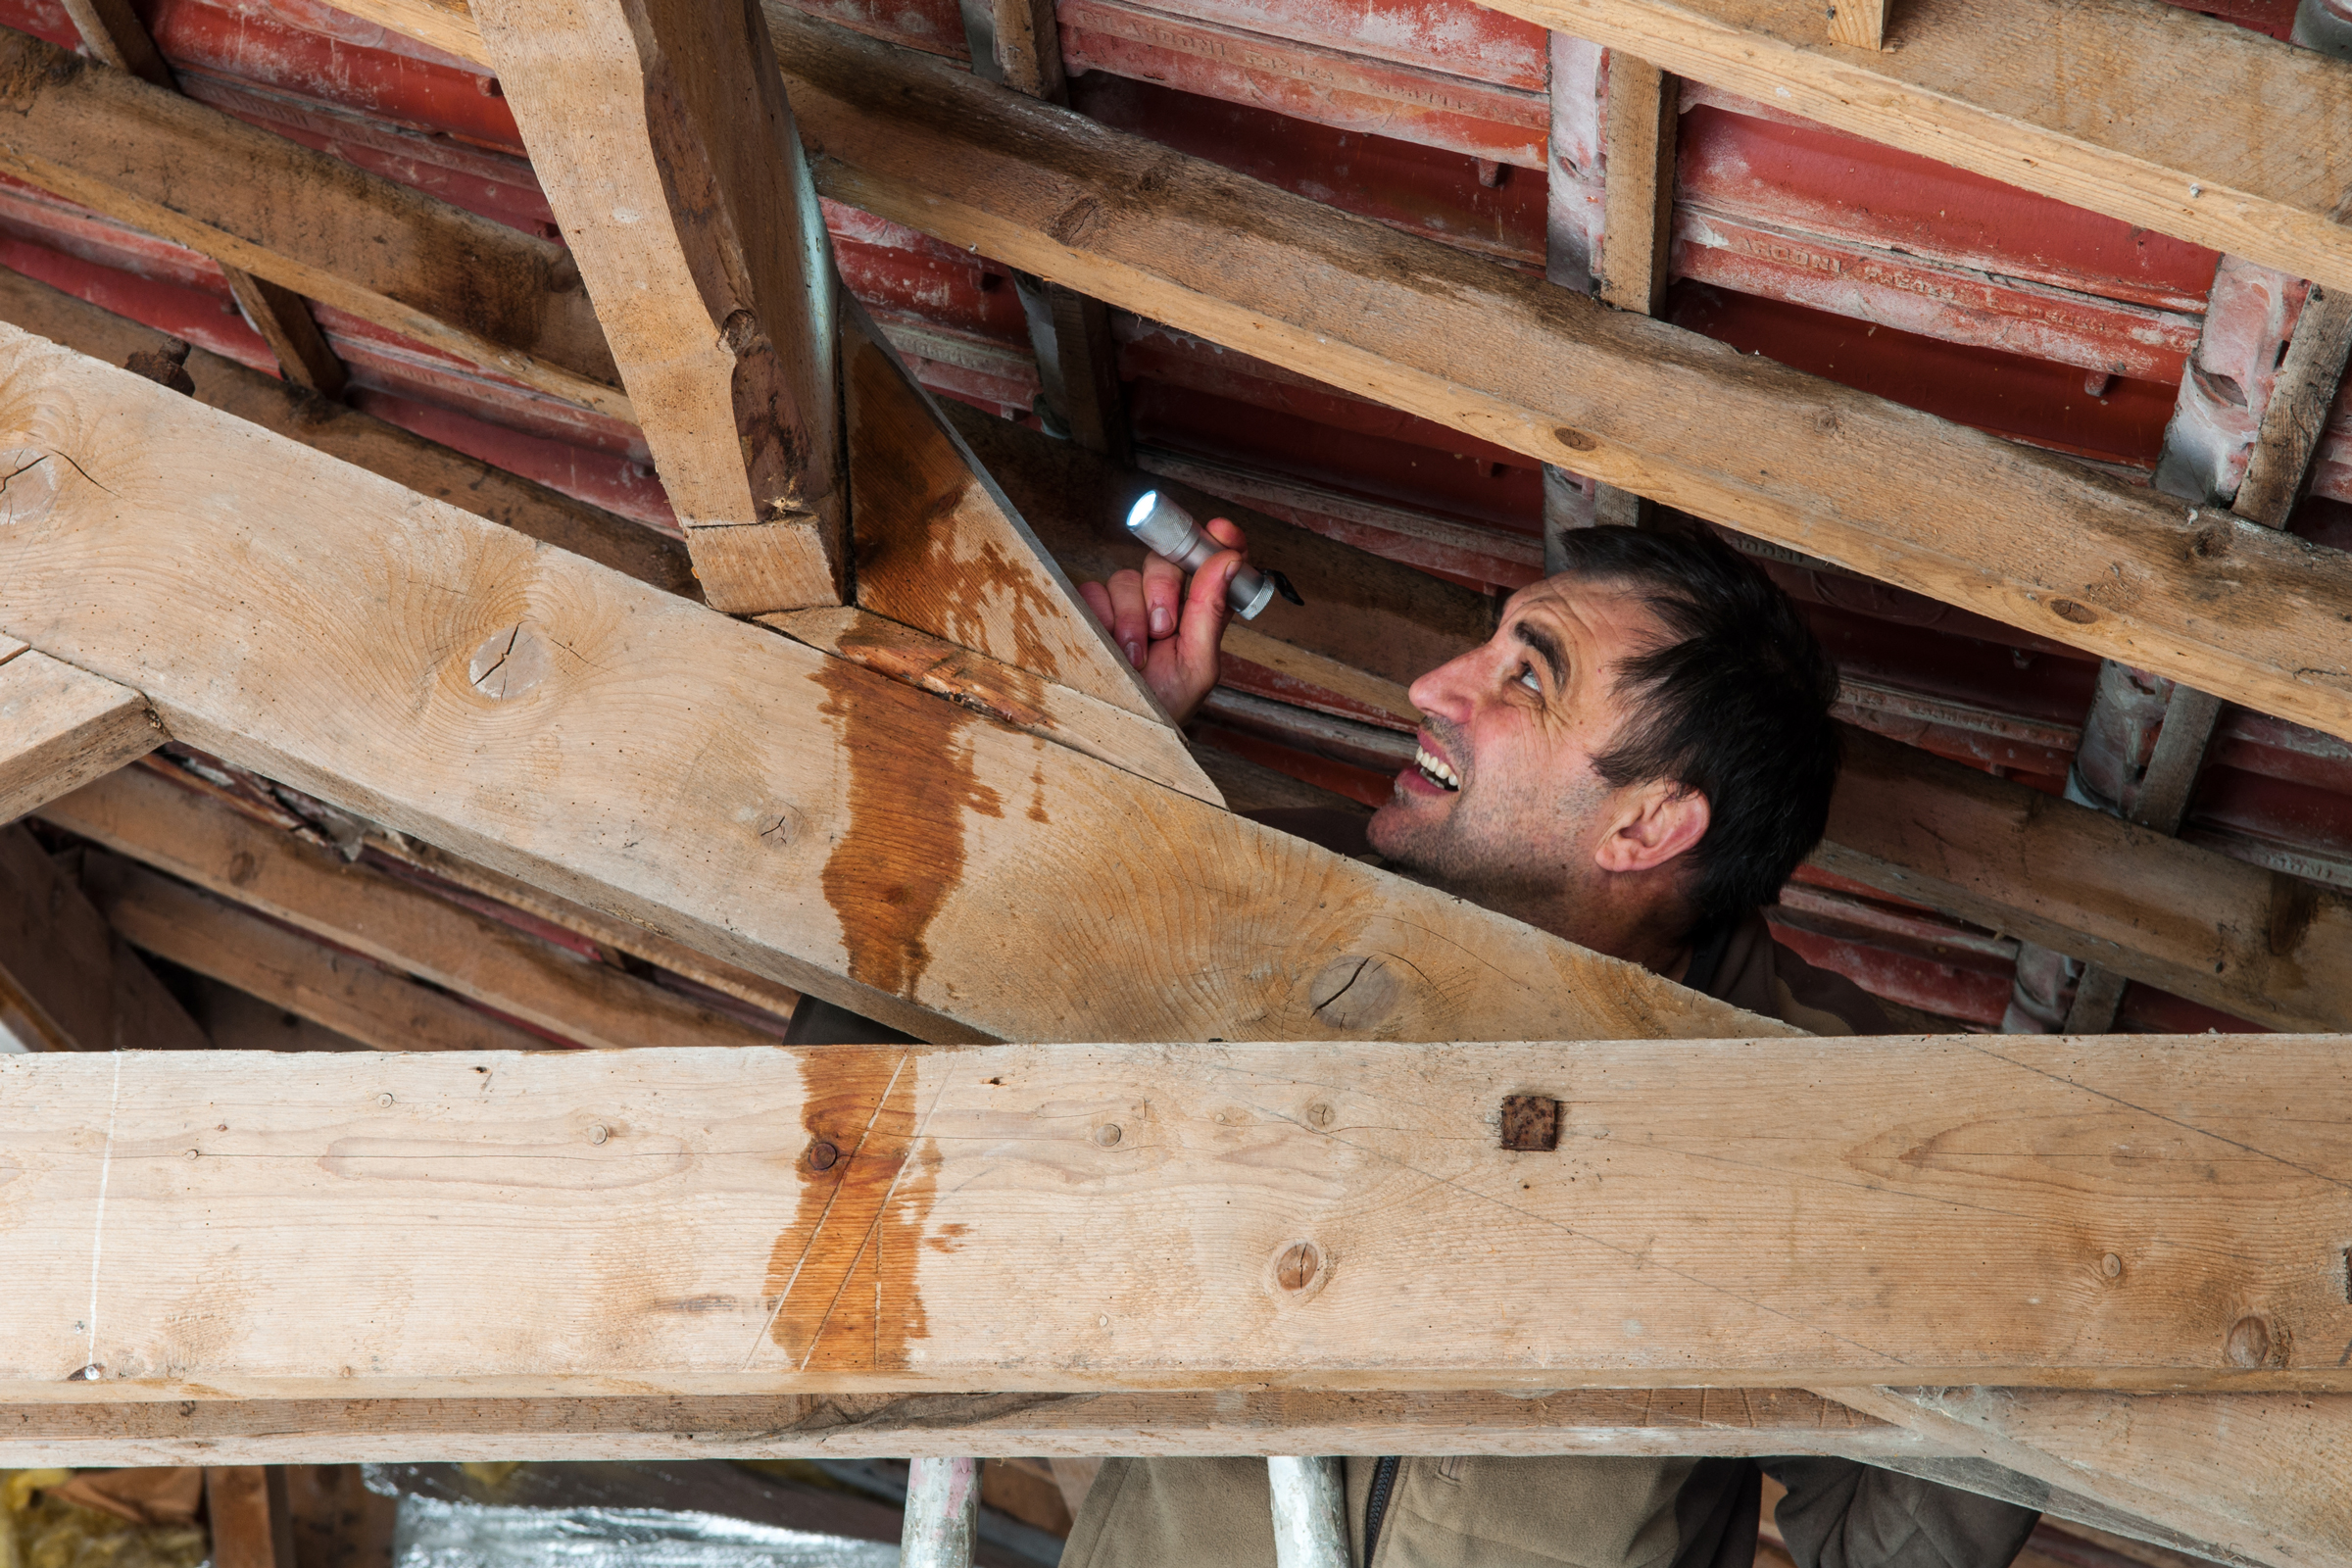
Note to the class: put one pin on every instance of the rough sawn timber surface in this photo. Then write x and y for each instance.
(60, 727)
(789, 1426)
(301, 218)
(941, 550)
(2147, 112)
(669, 155)
(778, 809)
(660, 1222)
(2265, 1476)
(2256, 943)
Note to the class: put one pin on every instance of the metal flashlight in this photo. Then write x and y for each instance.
(1167, 529)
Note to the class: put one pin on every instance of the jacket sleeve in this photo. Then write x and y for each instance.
(1841, 1514)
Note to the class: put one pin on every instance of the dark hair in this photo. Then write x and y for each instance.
(1735, 704)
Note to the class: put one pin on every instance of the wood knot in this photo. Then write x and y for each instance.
(1355, 991)
(1576, 440)
(737, 331)
(1298, 1266)
(1531, 1123)
(2068, 609)
(508, 663)
(28, 485)
(2210, 542)
(2254, 1343)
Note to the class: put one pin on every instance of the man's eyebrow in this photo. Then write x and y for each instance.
(1547, 647)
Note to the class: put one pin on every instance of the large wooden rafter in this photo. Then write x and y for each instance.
(824, 825)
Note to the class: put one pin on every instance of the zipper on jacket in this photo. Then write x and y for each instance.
(1376, 1504)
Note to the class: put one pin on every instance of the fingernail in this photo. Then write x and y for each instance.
(1161, 622)
(1135, 654)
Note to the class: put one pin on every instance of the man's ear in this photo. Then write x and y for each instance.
(1658, 821)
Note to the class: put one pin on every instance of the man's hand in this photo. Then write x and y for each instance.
(1167, 630)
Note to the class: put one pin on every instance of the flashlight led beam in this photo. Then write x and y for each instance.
(1167, 529)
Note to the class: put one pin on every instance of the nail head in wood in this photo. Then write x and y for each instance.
(822, 1155)
(1531, 1122)
(2249, 1341)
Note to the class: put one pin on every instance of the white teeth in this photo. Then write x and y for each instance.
(1436, 768)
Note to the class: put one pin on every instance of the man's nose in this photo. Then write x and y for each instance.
(1446, 691)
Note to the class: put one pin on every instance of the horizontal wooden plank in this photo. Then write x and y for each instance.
(2148, 1213)
(2253, 941)
(339, 991)
(60, 727)
(2185, 123)
(303, 219)
(133, 1431)
(396, 923)
(778, 809)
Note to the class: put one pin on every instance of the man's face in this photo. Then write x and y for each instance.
(1505, 805)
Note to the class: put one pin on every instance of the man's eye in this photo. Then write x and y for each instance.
(1527, 678)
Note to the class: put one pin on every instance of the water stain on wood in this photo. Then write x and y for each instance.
(903, 850)
(843, 1273)
(934, 550)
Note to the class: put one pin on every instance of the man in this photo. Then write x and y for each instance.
(1635, 761)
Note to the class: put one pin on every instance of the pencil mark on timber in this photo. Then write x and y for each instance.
(902, 852)
(844, 1271)
(2170, 1121)
(90, 1369)
(927, 555)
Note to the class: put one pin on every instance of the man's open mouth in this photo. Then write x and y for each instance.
(1435, 769)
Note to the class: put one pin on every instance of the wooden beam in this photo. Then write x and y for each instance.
(668, 153)
(376, 445)
(2278, 470)
(358, 1206)
(780, 809)
(252, 1523)
(60, 727)
(1859, 24)
(2297, 414)
(305, 220)
(2264, 1477)
(2024, 537)
(1638, 152)
(396, 923)
(341, 991)
(111, 31)
(1016, 42)
(66, 974)
(284, 320)
(940, 549)
(2255, 942)
(2199, 128)
(1146, 747)
(789, 1426)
